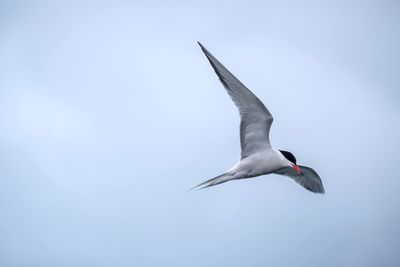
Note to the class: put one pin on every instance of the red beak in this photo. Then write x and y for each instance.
(296, 168)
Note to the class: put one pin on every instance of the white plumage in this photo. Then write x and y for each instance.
(257, 155)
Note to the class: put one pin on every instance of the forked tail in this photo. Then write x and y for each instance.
(214, 181)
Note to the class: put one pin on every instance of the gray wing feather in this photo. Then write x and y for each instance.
(255, 119)
(309, 178)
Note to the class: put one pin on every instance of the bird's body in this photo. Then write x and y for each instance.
(263, 162)
(257, 156)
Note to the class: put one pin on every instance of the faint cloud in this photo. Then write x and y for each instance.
(39, 116)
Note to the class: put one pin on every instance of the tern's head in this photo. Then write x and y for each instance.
(292, 160)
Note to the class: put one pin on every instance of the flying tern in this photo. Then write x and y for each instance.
(257, 155)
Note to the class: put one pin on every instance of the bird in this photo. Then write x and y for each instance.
(258, 157)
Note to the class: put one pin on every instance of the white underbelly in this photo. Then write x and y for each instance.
(259, 164)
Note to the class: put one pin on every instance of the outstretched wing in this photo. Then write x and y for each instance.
(309, 178)
(255, 119)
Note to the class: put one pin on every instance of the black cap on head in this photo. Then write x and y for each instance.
(289, 156)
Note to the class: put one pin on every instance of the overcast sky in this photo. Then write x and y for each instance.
(109, 113)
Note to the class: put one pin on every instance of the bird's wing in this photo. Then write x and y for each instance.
(255, 119)
(309, 178)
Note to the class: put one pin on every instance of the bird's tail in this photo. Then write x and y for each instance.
(214, 181)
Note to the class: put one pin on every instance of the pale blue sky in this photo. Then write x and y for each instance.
(109, 113)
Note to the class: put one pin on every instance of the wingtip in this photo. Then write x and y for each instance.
(322, 189)
(319, 191)
(201, 46)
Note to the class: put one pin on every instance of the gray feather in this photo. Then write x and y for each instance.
(255, 119)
